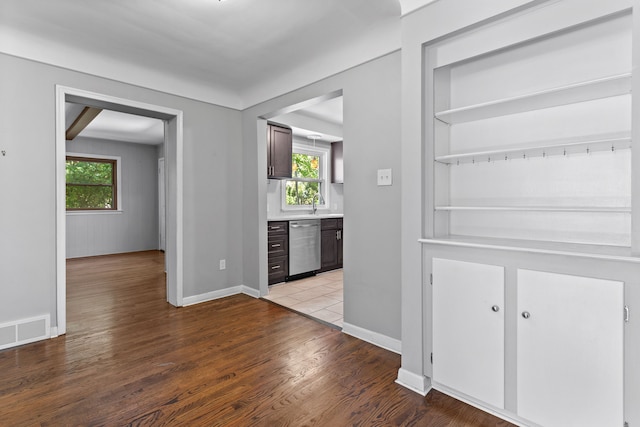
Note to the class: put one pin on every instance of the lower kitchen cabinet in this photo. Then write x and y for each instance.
(570, 350)
(331, 244)
(277, 251)
(468, 332)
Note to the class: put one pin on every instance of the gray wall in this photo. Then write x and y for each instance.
(212, 185)
(136, 227)
(371, 213)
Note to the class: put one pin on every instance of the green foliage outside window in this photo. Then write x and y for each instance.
(301, 191)
(90, 184)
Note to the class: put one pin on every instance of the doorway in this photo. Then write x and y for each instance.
(173, 179)
(316, 129)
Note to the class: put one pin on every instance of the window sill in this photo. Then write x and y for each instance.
(303, 208)
(74, 213)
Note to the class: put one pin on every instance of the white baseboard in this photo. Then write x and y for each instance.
(213, 295)
(251, 291)
(498, 412)
(374, 338)
(25, 331)
(414, 382)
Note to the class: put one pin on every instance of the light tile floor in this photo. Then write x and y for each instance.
(318, 296)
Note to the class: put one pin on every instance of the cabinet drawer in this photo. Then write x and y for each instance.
(277, 245)
(329, 224)
(278, 269)
(277, 227)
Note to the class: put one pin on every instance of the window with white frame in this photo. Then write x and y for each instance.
(92, 182)
(309, 177)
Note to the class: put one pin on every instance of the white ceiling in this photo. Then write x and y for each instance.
(235, 53)
(117, 126)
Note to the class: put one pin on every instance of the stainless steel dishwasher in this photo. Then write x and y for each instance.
(304, 246)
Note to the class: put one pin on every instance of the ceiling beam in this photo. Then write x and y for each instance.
(82, 121)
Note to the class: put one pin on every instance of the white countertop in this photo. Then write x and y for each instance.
(294, 217)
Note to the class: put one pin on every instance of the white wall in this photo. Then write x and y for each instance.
(135, 228)
(212, 186)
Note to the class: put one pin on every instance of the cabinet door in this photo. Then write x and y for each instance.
(570, 350)
(340, 246)
(468, 329)
(329, 250)
(337, 163)
(280, 149)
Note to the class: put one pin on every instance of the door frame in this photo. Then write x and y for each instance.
(162, 202)
(173, 143)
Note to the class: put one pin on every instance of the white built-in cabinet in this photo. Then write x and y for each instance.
(531, 214)
(569, 334)
(570, 361)
(468, 337)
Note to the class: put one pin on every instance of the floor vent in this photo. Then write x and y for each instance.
(24, 331)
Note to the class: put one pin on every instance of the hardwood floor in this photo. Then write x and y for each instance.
(129, 358)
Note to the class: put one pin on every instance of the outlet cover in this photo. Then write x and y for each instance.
(384, 177)
(223, 264)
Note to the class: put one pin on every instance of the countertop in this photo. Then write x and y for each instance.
(305, 216)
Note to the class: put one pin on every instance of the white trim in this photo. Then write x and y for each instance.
(498, 412)
(414, 382)
(105, 212)
(61, 212)
(119, 187)
(61, 94)
(552, 248)
(255, 293)
(222, 293)
(374, 338)
(162, 203)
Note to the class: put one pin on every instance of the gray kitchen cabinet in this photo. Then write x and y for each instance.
(279, 151)
(331, 244)
(277, 251)
(337, 163)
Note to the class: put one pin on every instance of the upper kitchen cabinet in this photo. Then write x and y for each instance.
(279, 143)
(337, 163)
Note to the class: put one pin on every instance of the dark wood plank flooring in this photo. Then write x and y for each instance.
(129, 358)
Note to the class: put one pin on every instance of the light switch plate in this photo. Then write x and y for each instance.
(384, 177)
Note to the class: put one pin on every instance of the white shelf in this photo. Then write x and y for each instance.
(570, 94)
(586, 209)
(541, 149)
(604, 252)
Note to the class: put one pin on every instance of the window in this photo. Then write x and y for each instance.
(308, 171)
(91, 183)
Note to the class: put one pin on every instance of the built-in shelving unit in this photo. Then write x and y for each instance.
(541, 149)
(530, 215)
(569, 94)
(607, 209)
(537, 154)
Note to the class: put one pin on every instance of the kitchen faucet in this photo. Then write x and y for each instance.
(314, 207)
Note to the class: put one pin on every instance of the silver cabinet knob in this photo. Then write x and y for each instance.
(526, 314)
(495, 309)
